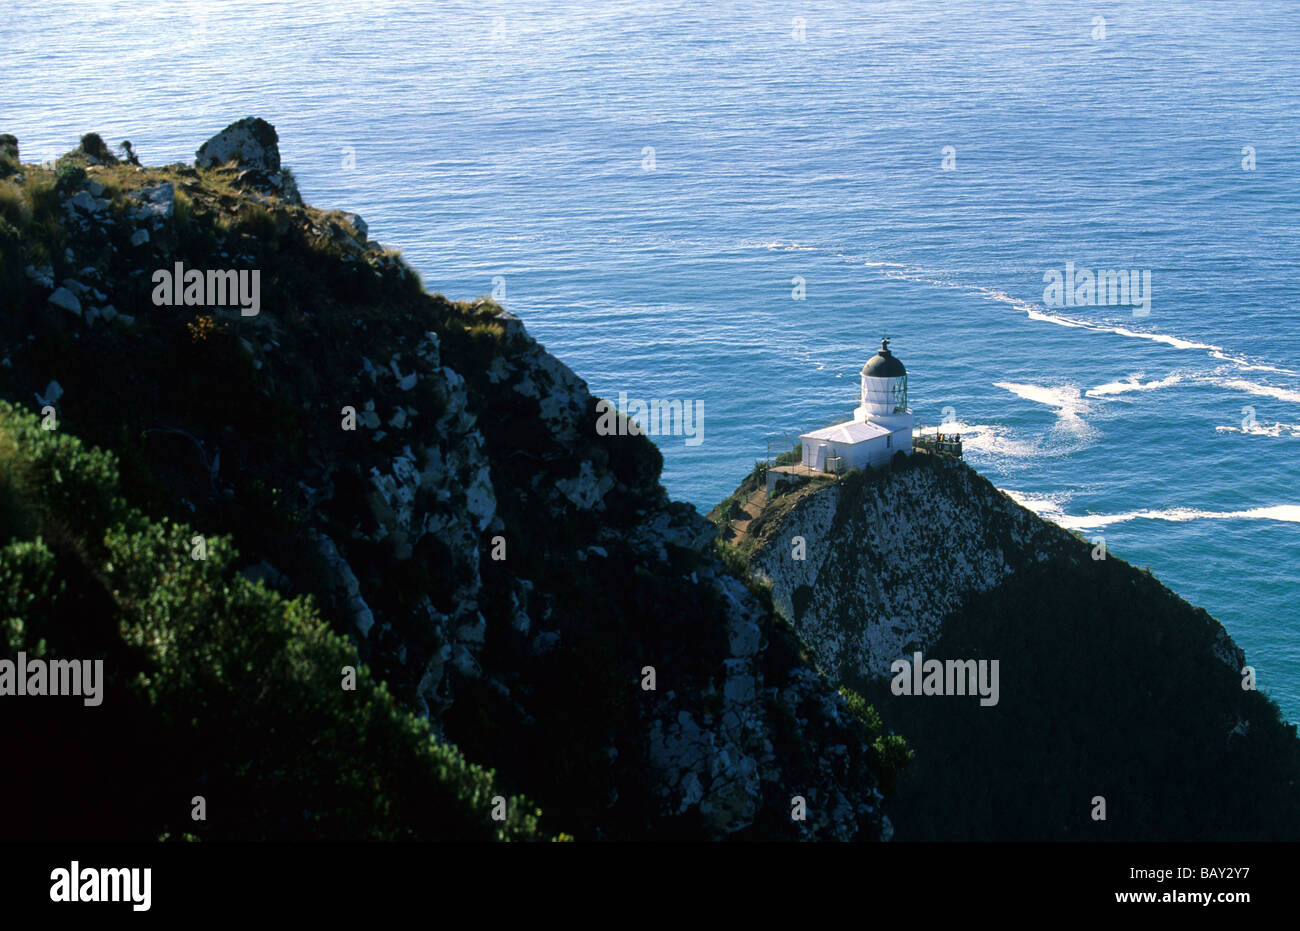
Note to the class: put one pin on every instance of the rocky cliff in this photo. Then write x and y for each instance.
(1121, 711)
(431, 480)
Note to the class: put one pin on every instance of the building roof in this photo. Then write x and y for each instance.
(851, 431)
(884, 364)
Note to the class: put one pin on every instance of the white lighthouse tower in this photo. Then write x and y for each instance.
(884, 391)
(881, 426)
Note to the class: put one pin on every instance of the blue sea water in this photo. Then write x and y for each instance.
(645, 182)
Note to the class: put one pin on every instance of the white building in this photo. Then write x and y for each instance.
(881, 425)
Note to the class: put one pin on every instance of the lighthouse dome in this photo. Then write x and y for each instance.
(884, 364)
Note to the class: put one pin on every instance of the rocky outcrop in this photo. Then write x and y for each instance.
(715, 746)
(434, 478)
(867, 571)
(250, 143)
(253, 146)
(1109, 686)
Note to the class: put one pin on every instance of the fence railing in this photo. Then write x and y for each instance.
(945, 443)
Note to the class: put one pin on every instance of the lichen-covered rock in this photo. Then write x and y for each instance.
(866, 586)
(157, 202)
(250, 143)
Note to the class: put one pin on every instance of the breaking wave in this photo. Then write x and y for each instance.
(1051, 509)
(1134, 383)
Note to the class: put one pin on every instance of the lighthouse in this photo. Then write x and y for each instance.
(881, 426)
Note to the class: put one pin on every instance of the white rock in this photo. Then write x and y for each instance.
(139, 237)
(67, 300)
(356, 223)
(53, 391)
(84, 202)
(250, 142)
(481, 499)
(346, 586)
(43, 276)
(157, 202)
(584, 489)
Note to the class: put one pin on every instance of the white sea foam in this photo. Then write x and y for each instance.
(1066, 401)
(777, 246)
(1268, 391)
(1263, 429)
(1134, 383)
(994, 442)
(1042, 505)
(1051, 509)
(1246, 365)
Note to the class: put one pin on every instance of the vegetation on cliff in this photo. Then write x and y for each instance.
(432, 481)
(214, 686)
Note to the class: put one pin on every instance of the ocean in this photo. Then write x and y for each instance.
(733, 203)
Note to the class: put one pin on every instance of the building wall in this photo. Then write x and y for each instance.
(862, 454)
(873, 452)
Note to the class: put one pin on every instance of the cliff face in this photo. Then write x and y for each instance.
(1111, 687)
(434, 480)
(884, 563)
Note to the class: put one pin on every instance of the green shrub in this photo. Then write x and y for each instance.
(889, 752)
(93, 145)
(864, 712)
(891, 757)
(71, 175)
(730, 509)
(793, 457)
(9, 163)
(215, 685)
